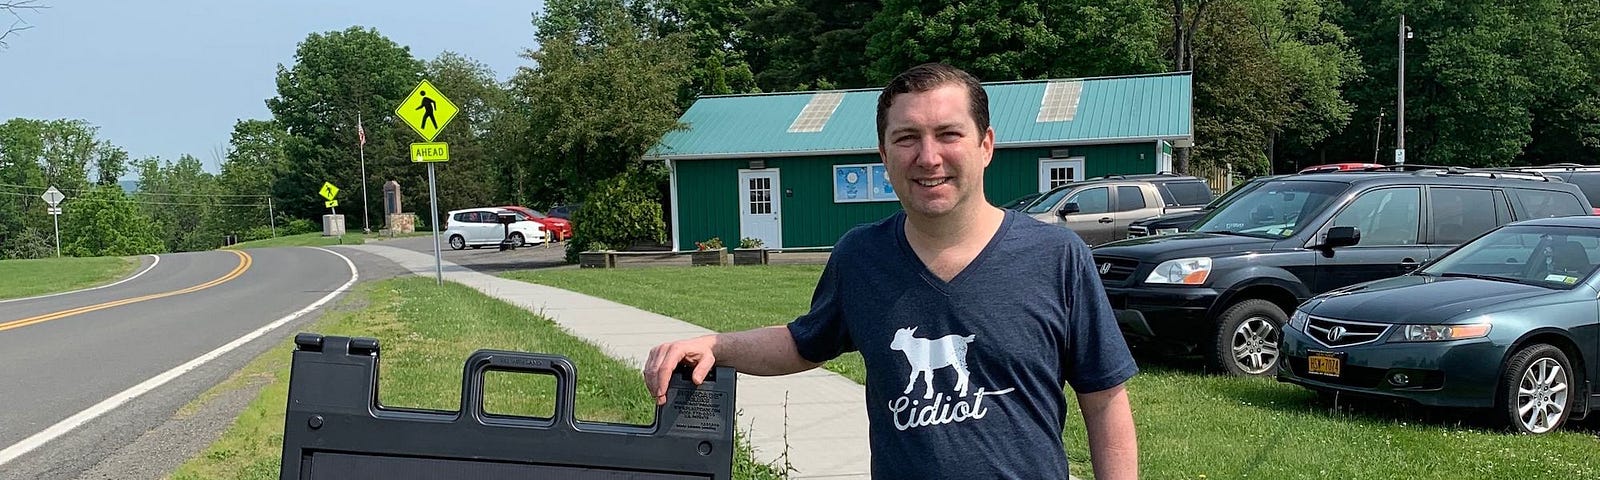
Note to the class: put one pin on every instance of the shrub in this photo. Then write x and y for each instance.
(750, 242)
(621, 211)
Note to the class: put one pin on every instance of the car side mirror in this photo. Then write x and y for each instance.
(1068, 209)
(1343, 236)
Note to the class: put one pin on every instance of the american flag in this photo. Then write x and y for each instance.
(361, 132)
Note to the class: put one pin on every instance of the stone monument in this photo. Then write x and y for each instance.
(395, 218)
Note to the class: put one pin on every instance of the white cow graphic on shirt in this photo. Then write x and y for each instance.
(928, 355)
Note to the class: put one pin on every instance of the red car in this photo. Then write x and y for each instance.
(1340, 167)
(560, 228)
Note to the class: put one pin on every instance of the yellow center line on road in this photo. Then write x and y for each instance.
(244, 264)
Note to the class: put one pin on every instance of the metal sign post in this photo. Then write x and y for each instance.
(433, 208)
(54, 198)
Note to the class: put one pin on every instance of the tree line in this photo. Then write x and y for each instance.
(1278, 84)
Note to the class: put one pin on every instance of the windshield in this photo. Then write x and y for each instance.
(1272, 210)
(1555, 257)
(1045, 202)
(1233, 193)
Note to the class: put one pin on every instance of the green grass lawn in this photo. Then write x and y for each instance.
(313, 239)
(27, 278)
(1190, 425)
(426, 334)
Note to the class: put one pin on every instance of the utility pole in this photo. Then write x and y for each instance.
(1400, 112)
(366, 225)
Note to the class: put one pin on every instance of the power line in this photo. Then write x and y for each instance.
(142, 202)
(143, 192)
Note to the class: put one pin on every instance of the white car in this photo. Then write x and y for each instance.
(478, 227)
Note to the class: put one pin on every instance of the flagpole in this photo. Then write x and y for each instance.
(366, 223)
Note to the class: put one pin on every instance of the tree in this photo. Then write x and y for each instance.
(105, 222)
(14, 8)
(601, 94)
(254, 161)
(336, 77)
(808, 44)
(1487, 83)
(178, 198)
(1017, 39)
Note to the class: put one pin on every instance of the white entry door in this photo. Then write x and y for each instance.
(760, 205)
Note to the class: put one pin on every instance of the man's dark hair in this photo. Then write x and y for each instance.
(929, 76)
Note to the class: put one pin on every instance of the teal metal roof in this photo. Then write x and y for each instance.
(1109, 110)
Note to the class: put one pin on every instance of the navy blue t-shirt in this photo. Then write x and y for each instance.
(965, 378)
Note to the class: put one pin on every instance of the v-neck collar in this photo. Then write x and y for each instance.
(921, 269)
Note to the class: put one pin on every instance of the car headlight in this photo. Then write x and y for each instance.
(1298, 320)
(1439, 333)
(1182, 271)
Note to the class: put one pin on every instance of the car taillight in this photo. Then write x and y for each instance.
(1597, 211)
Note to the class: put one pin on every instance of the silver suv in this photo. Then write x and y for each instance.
(1100, 209)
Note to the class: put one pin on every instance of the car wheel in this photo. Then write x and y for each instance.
(1247, 335)
(1536, 389)
(457, 243)
(518, 240)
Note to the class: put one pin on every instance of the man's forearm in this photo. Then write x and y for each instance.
(1113, 446)
(762, 351)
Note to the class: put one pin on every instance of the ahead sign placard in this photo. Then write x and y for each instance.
(430, 152)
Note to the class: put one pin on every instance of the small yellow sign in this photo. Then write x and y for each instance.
(329, 191)
(430, 152)
(330, 203)
(426, 110)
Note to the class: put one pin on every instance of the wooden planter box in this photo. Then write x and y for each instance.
(709, 257)
(597, 260)
(749, 256)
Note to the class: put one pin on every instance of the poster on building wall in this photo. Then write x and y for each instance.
(851, 184)
(882, 190)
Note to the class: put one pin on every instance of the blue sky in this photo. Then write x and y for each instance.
(170, 77)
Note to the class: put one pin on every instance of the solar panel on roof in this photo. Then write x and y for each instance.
(1060, 101)
(816, 113)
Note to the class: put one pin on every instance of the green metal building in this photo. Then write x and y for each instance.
(800, 169)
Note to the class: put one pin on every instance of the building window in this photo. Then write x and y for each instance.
(1055, 172)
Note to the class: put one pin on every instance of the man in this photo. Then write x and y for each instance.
(982, 313)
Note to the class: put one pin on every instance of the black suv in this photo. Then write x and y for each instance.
(1225, 287)
(1586, 177)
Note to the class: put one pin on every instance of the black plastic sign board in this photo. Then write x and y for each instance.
(336, 429)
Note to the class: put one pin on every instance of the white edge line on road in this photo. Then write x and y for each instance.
(119, 282)
(61, 428)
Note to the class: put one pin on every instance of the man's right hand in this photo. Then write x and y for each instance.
(666, 357)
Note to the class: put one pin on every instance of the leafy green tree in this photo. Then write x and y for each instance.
(1487, 83)
(1017, 39)
(808, 44)
(255, 160)
(105, 222)
(600, 95)
(178, 198)
(338, 76)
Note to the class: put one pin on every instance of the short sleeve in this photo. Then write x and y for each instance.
(1097, 357)
(820, 335)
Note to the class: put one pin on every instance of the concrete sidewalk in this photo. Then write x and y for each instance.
(825, 416)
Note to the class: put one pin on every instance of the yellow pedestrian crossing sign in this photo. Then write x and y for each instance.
(330, 203)
(426, 110)
(329, 191)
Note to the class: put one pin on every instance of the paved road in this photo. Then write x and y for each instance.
(488, 259)
(63, 356)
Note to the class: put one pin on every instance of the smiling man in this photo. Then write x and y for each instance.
(970, 318)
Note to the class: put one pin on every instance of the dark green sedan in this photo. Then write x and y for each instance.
(1509, 321)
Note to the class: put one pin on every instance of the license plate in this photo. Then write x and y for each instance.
(1324, 363)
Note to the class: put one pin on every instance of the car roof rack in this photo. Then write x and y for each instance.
(1497, 173)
